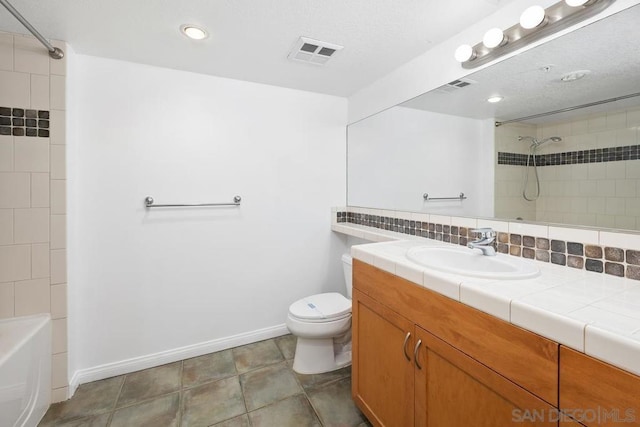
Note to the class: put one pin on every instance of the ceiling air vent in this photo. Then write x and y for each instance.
(313, 51)
(455, 85)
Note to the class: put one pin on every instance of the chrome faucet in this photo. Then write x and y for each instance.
(484, 242)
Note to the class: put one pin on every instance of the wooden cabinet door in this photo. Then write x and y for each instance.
(454, 390)
(382, 364)
(596, 393)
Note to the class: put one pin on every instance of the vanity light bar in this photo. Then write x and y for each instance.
(532, 26)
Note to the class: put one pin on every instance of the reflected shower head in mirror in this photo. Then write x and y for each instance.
(531, 159)
(536, 143)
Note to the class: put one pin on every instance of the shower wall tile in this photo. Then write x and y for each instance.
(14, 190)
(14, 88)
(6, 226)
(32, 297)
(40, 260)
(59, 370)
(31, 225)
(6, 52)
(58, 162)
(15, 263)
(6, 300)
(58, 231)
(30, 56)
(59, 301)
(31, 154)
(57, 92)
(59, 336)
(39, 92)
(33, 189)
(58, 266)
(40, 183)
(58, 127)
(6, 154)
(58, 196)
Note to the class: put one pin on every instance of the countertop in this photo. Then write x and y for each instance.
(593, 313)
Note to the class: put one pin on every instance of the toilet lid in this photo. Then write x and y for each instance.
(331, 305)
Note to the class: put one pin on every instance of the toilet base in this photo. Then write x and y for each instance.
(317, 356)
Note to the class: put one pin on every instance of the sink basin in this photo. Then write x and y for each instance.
(472, 263)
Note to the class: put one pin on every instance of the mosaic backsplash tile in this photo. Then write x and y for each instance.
(598, 259)
(24, 122)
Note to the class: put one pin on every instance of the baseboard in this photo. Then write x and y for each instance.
(82, 376)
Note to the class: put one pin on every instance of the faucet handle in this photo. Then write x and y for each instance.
(484, 232)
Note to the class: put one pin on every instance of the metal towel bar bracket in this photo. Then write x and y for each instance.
(149, 203)
(426, 197)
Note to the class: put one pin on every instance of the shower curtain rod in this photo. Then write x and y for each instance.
(564, 110)
(54, 52)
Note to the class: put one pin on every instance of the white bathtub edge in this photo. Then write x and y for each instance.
(108, 370)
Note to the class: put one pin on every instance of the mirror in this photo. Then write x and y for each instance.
(446, 142)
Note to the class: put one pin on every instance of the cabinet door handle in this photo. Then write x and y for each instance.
(404, 346)
(415, 354)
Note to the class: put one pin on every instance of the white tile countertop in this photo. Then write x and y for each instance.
(593, 313)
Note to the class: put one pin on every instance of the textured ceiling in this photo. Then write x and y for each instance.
(250, 39)
(609, 48)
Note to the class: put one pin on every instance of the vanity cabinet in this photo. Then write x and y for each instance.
(422, 359)
(597, 393)
(382, 365)
(453, 389)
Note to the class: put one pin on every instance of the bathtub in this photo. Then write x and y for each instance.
(25, 370)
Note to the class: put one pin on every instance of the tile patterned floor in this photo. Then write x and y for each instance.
(248, 386)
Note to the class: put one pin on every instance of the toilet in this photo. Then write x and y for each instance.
(322, 324)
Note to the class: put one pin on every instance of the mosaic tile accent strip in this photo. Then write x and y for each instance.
(598, 259)
(599, 155)
(21, 122)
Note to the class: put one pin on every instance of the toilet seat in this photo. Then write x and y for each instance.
(321, 308)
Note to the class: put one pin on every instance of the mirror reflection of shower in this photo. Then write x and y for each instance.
(531, 161)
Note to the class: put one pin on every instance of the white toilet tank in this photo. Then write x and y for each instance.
(347, 262)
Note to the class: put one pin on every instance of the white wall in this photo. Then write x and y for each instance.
(437, 66)
(399, 154)
(152, 281)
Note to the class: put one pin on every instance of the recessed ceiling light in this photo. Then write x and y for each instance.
(193, 32)
(495, 99)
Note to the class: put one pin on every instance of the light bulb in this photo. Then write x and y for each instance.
(464, 53)
(532, 17)
(193, 32)
(575, 3)
(493, 38)
(495, 99)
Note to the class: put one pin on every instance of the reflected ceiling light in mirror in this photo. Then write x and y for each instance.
(494, 38)
(464, 53)
(495, 99)
(574, 75)
(193, 32)
(535, 23)
(532, 17)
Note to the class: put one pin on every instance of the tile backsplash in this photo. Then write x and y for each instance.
(606, 252)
